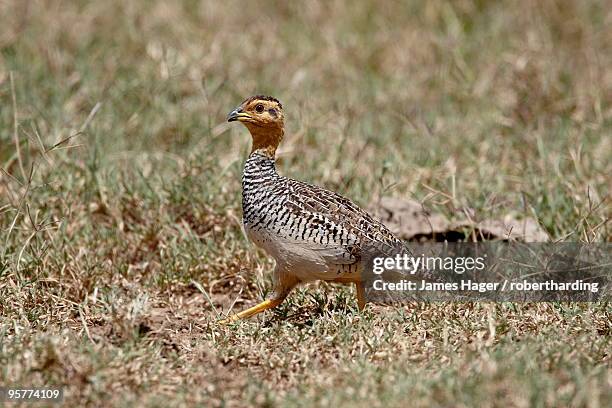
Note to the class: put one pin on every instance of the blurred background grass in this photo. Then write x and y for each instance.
(120, 187)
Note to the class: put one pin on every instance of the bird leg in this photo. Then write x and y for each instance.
(251, 311)
(284, 284)
(361, 301)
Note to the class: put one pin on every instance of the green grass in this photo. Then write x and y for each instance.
(120, 212)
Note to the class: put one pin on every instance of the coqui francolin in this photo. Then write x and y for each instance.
(311, 232)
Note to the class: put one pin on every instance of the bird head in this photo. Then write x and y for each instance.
(263, 117)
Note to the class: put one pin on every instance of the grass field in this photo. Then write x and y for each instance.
(120, 242)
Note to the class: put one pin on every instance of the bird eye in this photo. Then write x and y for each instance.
(259, 108)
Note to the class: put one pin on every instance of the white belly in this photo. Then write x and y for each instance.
(290, 256)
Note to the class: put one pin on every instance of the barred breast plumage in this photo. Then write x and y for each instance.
(313, 233)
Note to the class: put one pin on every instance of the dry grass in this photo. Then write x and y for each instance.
(120, 203)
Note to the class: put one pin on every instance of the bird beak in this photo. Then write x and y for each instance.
(237, 115)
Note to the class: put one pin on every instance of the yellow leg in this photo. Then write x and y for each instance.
(251, 311)
(360, 295)
(283, 285)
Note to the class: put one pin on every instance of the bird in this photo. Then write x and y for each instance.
(311, 232)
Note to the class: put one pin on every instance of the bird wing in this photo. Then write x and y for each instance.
(339, 229)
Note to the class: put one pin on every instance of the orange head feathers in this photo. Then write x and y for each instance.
(263, 116)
